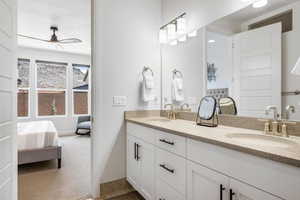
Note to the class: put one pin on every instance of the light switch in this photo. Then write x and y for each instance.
(119, 101)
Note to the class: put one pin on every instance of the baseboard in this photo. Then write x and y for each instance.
(115, 188)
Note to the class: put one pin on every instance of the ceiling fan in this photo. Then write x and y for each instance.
(54, 38)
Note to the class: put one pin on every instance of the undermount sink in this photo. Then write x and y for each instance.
(261, 140)
(158, 120)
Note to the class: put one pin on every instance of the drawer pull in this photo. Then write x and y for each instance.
(166, 168)
(222, 188)
(137, 152)
(231, 194)
(167, 142)
(161, 199)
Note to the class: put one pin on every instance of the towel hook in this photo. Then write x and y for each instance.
(147, 69)
(177, 72)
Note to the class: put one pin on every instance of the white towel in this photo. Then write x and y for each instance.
(148, 88)
(177, 90)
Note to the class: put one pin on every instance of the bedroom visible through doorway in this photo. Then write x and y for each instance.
(54, 99)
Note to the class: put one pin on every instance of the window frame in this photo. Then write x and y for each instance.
(37, 90)
(76, 90)
(25, 88)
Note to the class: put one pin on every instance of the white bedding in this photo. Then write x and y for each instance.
(36, 135)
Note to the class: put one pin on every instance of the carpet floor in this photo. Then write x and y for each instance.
(43, 181)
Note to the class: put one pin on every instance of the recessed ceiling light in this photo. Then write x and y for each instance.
(211, 41)
(260, 3)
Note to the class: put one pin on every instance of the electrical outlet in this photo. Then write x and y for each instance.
(119, 101)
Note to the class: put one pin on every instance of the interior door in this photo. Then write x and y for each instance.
(8, 69)
(257, 70)
(245, 192)
(203, 183)
(147, 164)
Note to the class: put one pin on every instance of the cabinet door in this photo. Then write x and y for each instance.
(132, 163)
(242, 191)
(146, 160)
(206, 184)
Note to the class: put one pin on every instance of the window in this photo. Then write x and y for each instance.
(51, 88)
(23, 87)
(81, 89)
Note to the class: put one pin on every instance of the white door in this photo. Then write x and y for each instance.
(257, 70)
(241, 191)
(206, 184)
(133, 168)
(8, 69)
(147, 163)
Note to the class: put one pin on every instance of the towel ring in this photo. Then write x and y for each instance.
(176, 72)
(147, 69)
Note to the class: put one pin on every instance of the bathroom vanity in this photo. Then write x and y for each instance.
(177, 160)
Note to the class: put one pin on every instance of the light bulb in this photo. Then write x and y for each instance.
(181, 26)
(182, 38)
(163, 36)
(193, 33)
(171, 31)
(260, 3)
(174, 43)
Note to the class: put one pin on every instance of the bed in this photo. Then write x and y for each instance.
(38, 141)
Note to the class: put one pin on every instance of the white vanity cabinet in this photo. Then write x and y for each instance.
(164, 166)
(204, 183)
(140, 166)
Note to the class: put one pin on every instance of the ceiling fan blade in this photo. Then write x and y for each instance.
(33, 38)
(70, 41)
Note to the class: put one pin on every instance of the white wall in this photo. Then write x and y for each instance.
(65, 125)
(220, 53)
(200, 12)
(290, 54)
(187, 57)
(125, 40)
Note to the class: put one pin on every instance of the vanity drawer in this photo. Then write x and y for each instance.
(166, 192)
(172, 143)
(141, 132)
(171, 169)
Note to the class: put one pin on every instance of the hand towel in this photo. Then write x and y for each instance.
(177, 90)
(148, 88)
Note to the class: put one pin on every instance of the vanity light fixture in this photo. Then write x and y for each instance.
(259, 3)
(163, 36)
(182, 38)
(296, 69)
(181, 26)
(173, 31)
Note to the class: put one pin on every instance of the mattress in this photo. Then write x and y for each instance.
(36, 135)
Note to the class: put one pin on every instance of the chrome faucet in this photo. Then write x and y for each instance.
(171, 113)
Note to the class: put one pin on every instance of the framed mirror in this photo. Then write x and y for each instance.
(227, 106)
(206, 115)
(247, 56)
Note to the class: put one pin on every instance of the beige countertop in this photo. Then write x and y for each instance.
(287, 153)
